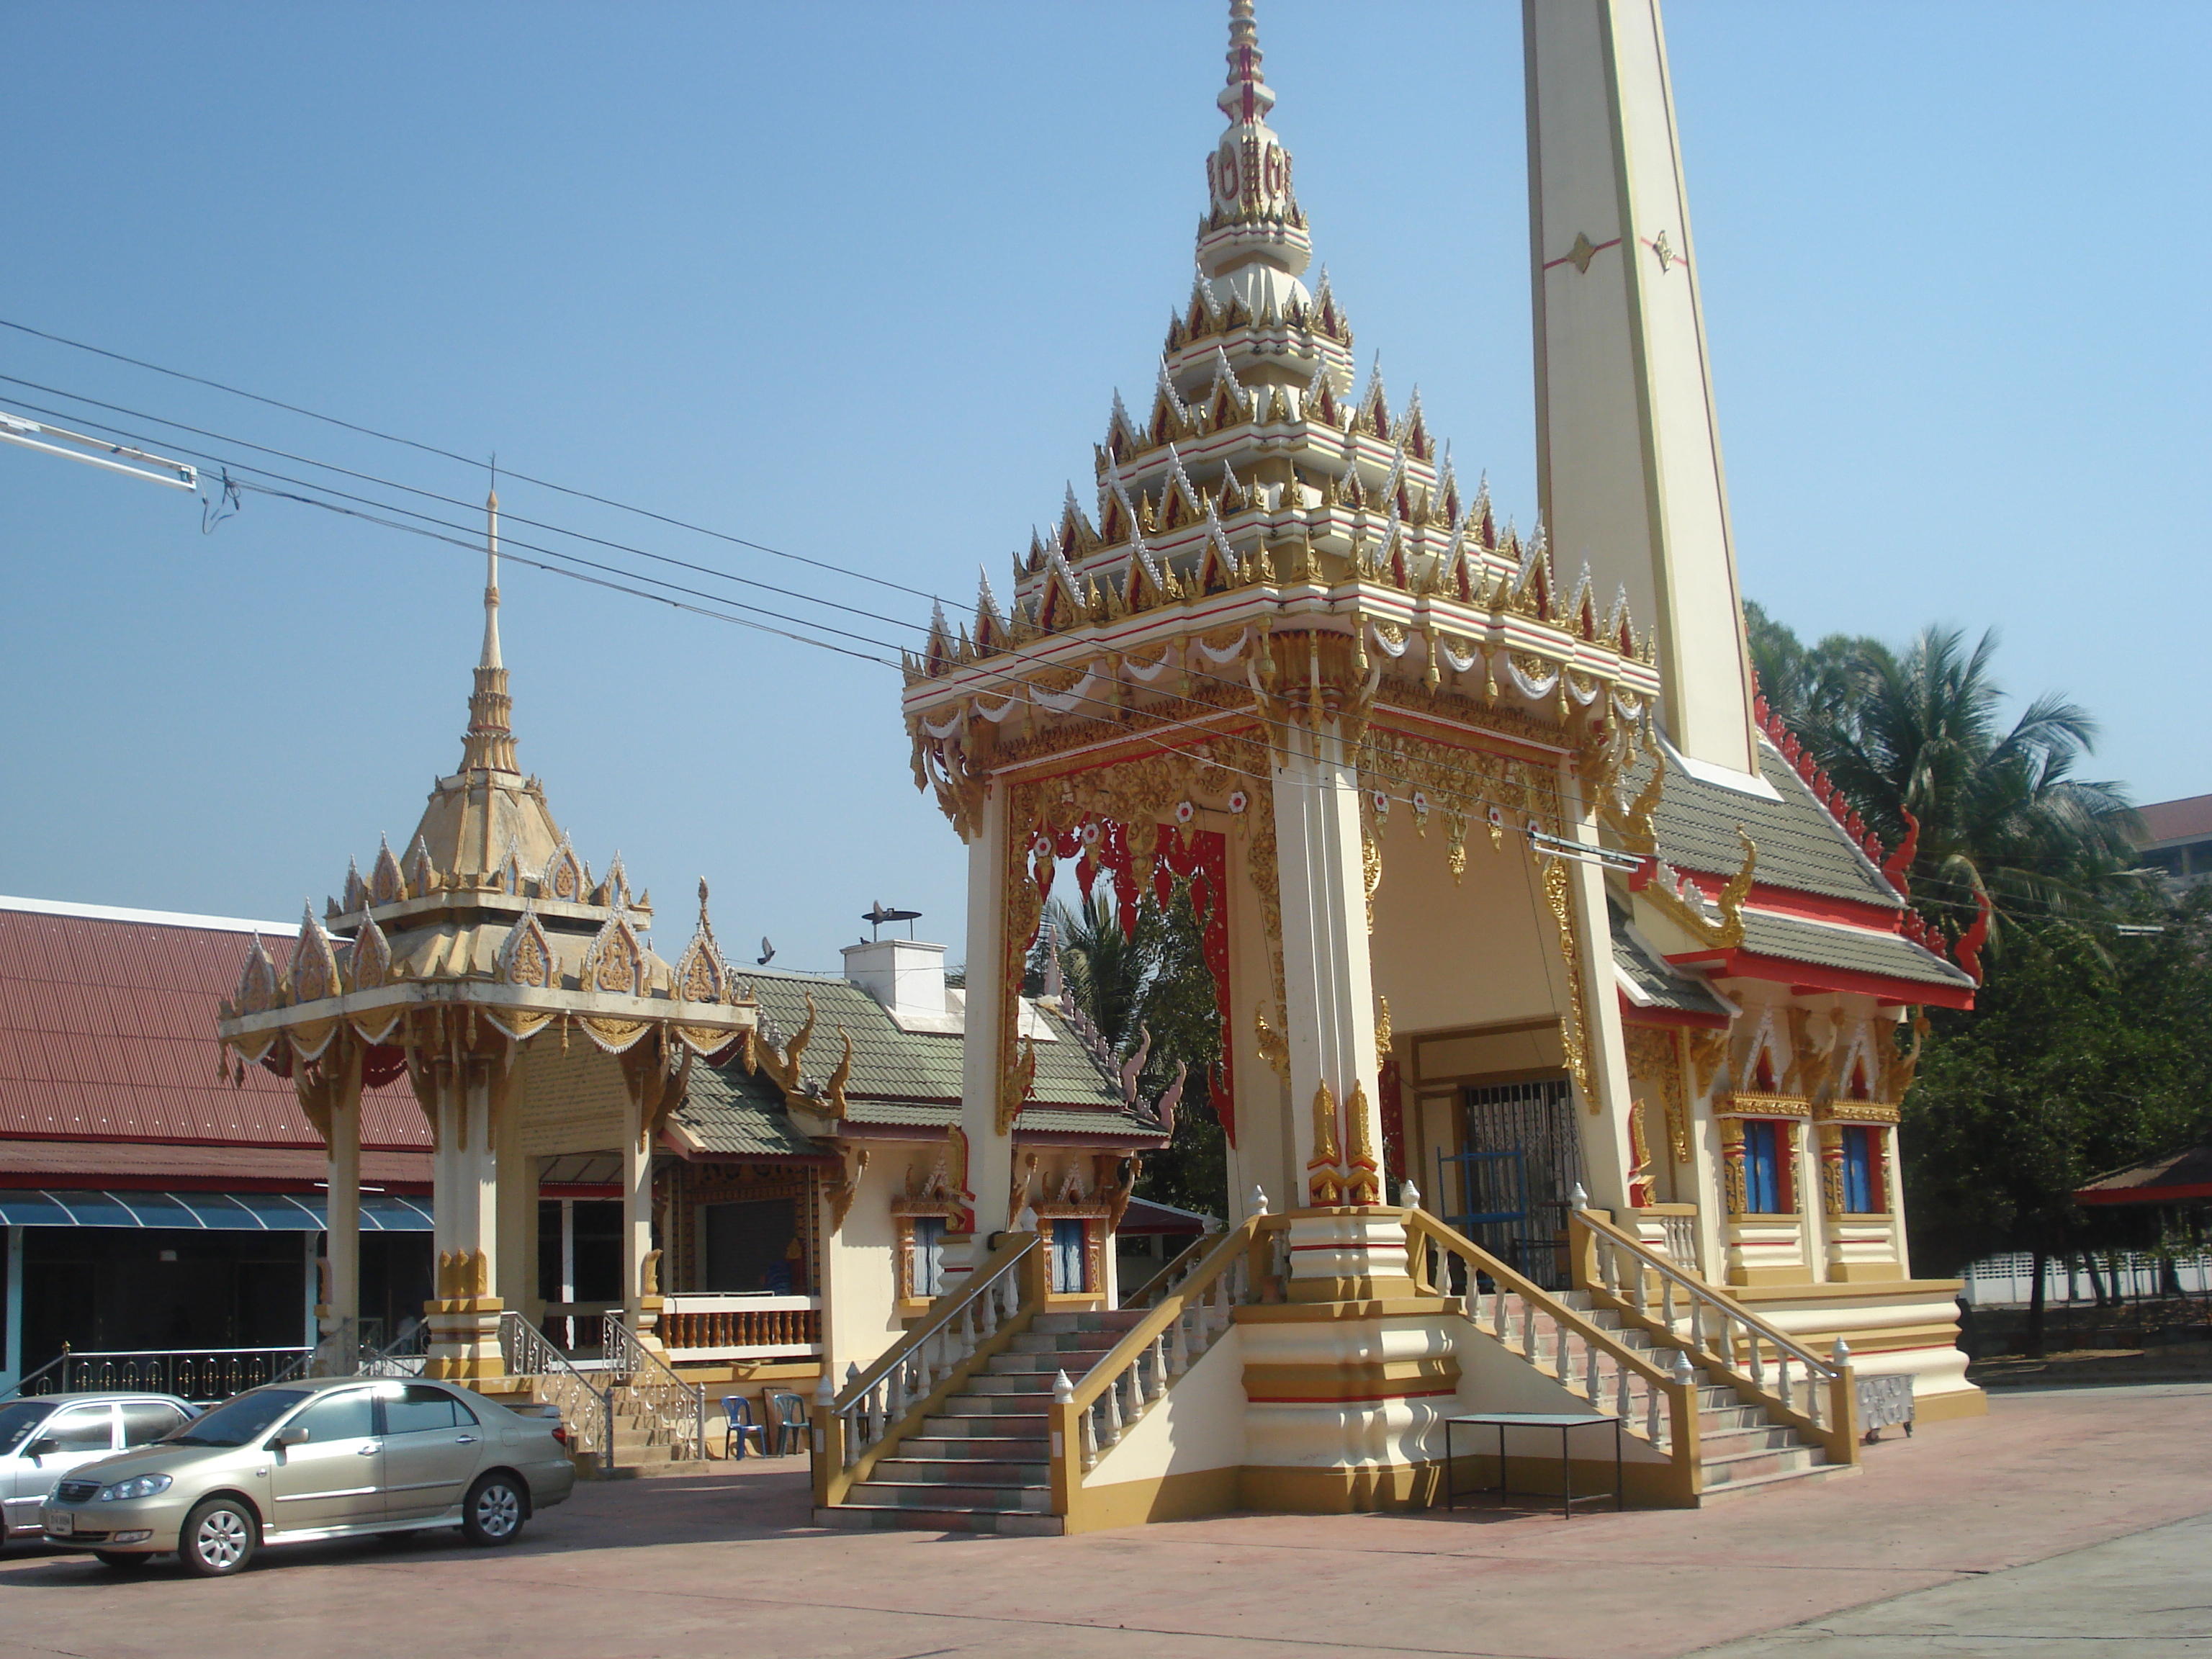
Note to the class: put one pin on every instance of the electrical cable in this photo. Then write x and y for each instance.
(802, 597)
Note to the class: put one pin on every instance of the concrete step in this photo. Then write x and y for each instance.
(1072, 1360)
(937, 1495)
(1004, 1406)
(991, 1448)
(1727, 1467)
(994, 1385)
(1721, 1443)
(1046, 1342)
(905, 1471)
(1011, 1522)
(1746, 1485)
(1062, 1324)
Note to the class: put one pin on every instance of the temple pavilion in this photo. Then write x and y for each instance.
(1565, 1010)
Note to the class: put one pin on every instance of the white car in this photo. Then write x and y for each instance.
(44, 1436)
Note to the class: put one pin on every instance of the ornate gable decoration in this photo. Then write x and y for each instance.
(314, 962)
(527, 957)
(258, 987)
(386, 886)
(702, 975)
(615, 961)
(370, 960)
(565, 877)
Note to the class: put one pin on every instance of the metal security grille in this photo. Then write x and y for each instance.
(1513, 1173)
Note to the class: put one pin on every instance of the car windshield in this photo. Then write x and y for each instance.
(17, 1419)
(237, 1422)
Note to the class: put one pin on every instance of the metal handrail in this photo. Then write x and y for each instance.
(413, 1342)
(25, 1381)
(1713, 1320)
(175, 1371)
(874, 1402)
(527, 1351)
(627, 1358)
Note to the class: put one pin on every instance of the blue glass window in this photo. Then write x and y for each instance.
(1765, 1148)
(1070, 1259)
(1863, 1193)
(928, 1255)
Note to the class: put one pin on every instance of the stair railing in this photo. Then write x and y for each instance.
(1173, 1273)
(879, 1407)
(588, 1411)
(1090, 1415)
(1655, 1401)
(1679, 1309)
(675, 1411)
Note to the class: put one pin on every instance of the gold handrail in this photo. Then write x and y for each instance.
(1160, 1280)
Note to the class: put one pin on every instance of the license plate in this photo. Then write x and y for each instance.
(61, 1526)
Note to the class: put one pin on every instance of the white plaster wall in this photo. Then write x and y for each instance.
(1452, 955)
(860, 1266)
(1936, 1367)
(1199, 1425)
(1493, 1378)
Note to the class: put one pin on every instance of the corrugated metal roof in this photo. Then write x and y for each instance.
(154, 1163)
(1801, 845)
(2176, 820)
(108, 1032)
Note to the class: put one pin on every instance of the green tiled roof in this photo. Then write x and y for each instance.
(1856, 949)
(1801, 845)
(1660, 985)
(899, 1078)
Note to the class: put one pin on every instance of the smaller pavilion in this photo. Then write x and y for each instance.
(518, 995)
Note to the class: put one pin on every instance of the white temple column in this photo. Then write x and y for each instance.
(637, 1207)
(338, 1316)
(1603, 1113)
(1335, 1122)
(990, 1152)
(464, 1315)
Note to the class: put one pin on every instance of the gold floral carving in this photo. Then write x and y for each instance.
(1574, 1030)
(843, 1191)
(783, 1066)
(1383, 1033)
(1362, 1182)
(1324, 1174)
(1732, 1191)
(1655, 1059)
(1709, 1049)
(1831, 1153)
(1274, 1046)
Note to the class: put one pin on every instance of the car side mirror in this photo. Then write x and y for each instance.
(45, 1446)
(291, 1435)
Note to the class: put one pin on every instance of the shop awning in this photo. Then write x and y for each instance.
(273, 1212)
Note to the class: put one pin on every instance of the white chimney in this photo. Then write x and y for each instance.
(908, 977)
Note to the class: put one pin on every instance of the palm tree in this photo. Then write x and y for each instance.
(1917, 742)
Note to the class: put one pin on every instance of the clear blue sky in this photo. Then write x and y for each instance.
(859, 281)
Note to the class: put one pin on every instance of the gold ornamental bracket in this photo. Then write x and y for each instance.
(1716, 923)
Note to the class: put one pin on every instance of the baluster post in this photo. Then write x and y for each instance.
(1527, 1329)
(1159, 1366)
(1624, 1399)
(1135, 1377)
(1497, 1308)
(1593, 1383)
(1090, 1436)
(1178, 1348)
(1112, 1398)
(1758, 1359)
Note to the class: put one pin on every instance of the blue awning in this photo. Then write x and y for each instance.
(272, 1213)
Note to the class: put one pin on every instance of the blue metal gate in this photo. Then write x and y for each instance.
(1512, 1175)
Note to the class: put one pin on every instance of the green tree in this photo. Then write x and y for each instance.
(1149, 987)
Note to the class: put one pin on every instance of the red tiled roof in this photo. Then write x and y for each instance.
(2169, 1178)
(118, 1166)
(2173, 820)
(108, 1033)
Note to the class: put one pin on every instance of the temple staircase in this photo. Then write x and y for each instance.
(983, 1461)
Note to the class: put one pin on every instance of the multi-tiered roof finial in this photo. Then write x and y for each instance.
(489, 746)
(1253, 241)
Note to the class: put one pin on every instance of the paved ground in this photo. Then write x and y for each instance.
(2066, 1522)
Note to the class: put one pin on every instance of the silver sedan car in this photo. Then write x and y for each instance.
(323, 1457)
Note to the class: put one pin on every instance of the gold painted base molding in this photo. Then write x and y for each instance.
(1954, 1406)
(1374, 1381)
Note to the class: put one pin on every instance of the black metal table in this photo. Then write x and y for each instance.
(1565, 1423)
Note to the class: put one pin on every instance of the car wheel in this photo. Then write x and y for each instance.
(219, 1538)
(495, 1511)
(124, 1560)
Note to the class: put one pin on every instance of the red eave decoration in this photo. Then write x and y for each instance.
(1809, 978)
(2188, 1194)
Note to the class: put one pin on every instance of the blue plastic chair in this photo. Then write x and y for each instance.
(739, 1411)
(787, 1422)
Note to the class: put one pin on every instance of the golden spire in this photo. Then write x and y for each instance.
(489, 746)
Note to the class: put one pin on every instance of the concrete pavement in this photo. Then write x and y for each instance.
(2064, 1517)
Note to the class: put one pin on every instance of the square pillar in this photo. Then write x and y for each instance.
(995, 864)
(464, 1315)
(337, 1315)
(637, 1212)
